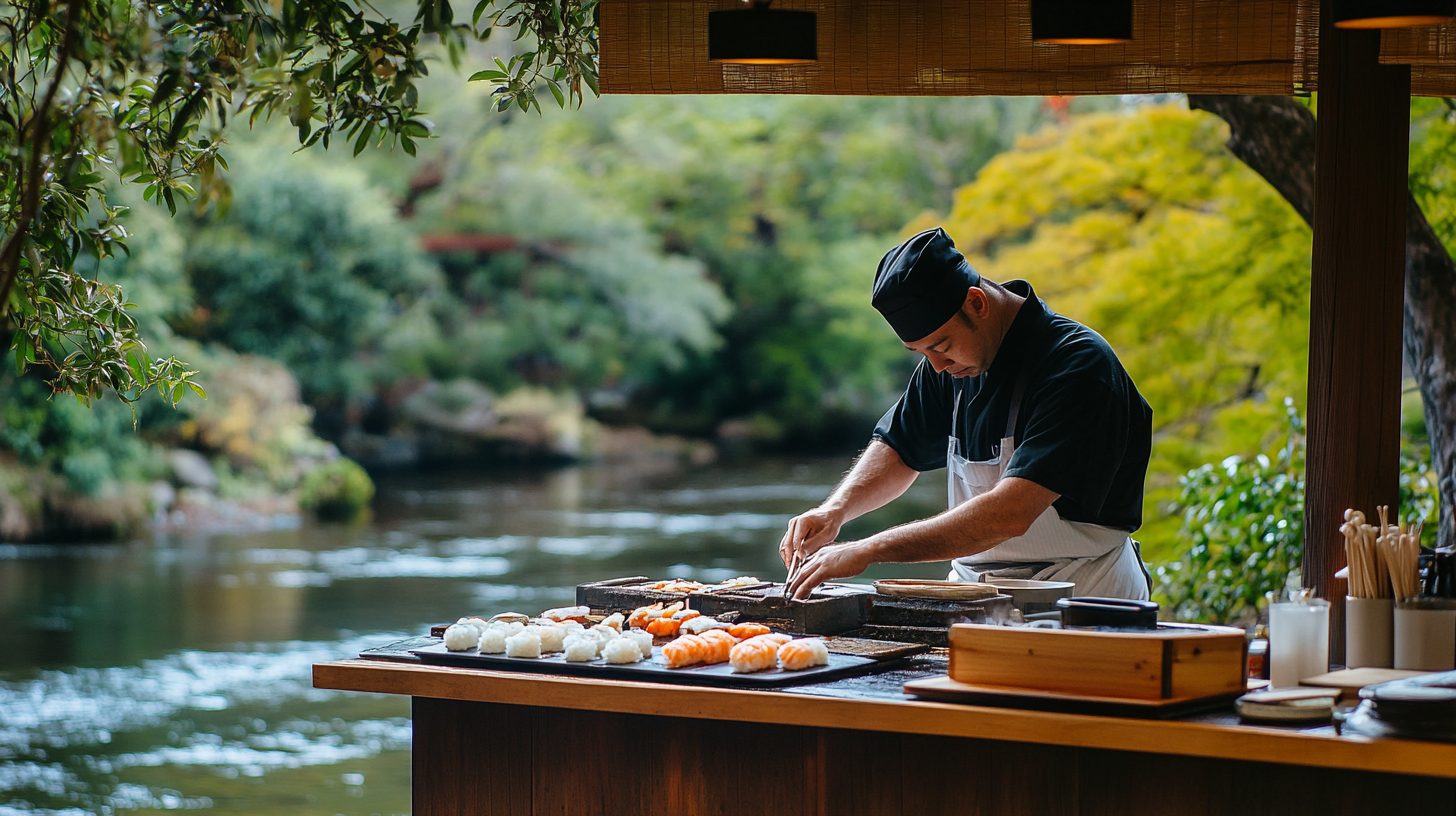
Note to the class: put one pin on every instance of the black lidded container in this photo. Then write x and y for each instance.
(1118, 613)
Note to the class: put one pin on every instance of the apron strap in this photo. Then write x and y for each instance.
(955, 411)
(1017, 393)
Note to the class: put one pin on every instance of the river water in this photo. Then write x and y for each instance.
(173, 673)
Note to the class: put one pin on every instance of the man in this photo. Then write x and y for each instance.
(1043, 434)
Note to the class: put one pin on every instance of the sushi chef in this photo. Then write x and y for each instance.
(1044, 439)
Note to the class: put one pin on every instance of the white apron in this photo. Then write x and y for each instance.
(1102, 561)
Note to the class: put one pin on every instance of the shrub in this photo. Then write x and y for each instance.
(336, 491)
(1244, 521)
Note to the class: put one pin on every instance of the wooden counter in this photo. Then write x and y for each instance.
(508, 743)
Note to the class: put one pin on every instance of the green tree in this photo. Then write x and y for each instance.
(309, 266)
(144, 90)
(787, 203)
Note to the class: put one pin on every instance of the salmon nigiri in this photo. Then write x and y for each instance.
(720, 645)
(687, 650)
(756, 653)
(744, 631)
(803, 653)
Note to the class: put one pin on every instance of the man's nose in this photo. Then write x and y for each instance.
(938, 362)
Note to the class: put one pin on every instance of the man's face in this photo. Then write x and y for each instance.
(964, 345)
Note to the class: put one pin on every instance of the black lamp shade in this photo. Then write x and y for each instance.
(1392, 13)
(762, 36)
(1081, 22)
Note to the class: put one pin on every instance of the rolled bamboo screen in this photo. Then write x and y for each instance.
(984, 47)
(1430, 51)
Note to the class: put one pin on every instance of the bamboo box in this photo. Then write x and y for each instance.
(1168, 663)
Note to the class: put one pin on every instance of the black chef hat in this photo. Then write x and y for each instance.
(921, 284)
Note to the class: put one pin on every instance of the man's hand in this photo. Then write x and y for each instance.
(828, 563)
(808, 532)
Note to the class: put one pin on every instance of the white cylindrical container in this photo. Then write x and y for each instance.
(1369, 632)
(1299, 641)
(1425, 638)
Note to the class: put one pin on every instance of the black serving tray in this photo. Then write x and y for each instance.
(650, 670)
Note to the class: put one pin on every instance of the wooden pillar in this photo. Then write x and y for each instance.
(1356, 298)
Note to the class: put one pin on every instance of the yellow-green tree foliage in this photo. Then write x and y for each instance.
(1142, 226)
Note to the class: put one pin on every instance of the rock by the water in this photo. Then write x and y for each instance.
(191, 469)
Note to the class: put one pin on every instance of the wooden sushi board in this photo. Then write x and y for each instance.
(946, 690)
(716, 675)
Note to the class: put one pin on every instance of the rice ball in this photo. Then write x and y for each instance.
(643, 640)
(493, 641)
(552, 638)
(580, 649)
(622, 650)
(461, 637)
(525, 644)
(605, 633)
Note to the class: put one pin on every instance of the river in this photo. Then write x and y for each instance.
(173, 672)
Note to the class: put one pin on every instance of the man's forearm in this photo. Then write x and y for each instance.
(1005, 512)
(878, 478)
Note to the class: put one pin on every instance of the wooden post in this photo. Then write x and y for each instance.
(1356, 297)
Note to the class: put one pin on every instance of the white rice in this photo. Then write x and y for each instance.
(552, 638)
(622, 650)
(581, 648)
(605, 632)
(643, 639)
(493, 641)
(461, 637)
(525, 644)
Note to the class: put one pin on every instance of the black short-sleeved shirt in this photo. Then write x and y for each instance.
(1083, 432)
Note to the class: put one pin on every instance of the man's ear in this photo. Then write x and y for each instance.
(976, 302)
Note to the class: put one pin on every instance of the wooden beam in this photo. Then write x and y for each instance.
(1356, 295)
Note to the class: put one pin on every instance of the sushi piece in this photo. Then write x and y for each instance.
(566, 613)
(614, 621)
(493, 641)
(553, 638)
(756, 653)
(666, 626)
(804, 653)
(510, 617)
(643, 639)
(687, 650)
(744, 631)
(720, 645)
(642, 614)
(460, 637)
(677, 585)
(622, 650)
(701, 624)
(581, 648)
(605, 632)
(525, 644)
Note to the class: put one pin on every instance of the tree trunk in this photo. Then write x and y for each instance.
(1274, 135)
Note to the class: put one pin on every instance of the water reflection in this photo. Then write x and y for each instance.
(173, 673)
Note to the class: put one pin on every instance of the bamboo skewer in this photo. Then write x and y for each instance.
(1369, 575)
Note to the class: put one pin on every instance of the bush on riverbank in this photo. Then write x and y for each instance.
(336, 491)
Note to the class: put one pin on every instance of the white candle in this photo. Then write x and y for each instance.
(1299, 641)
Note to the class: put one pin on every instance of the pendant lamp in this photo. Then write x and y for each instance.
(759, 35)
(1081, 22)
(1392, 13)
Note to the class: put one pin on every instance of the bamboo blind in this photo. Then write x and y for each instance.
(984, 47)
(1431, 53)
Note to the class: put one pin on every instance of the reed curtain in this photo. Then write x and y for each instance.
(984, 47)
